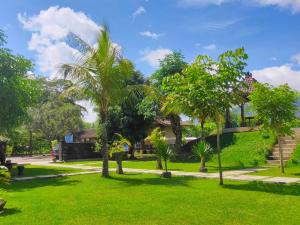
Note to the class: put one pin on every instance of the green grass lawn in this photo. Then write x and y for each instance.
(275, 172)
(148, 199)
(32, 170)
(151, 165)
(239, 150)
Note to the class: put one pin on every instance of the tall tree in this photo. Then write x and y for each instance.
(276, 108)
(17, 90)
(55, 119)
(190, 92)
(102, 73)
(126, 119)
(207, 88)
(152, 105)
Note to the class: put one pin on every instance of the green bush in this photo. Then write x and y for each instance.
(295, 159)
(4, 175)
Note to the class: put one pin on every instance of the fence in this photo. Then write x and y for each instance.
(72, 151)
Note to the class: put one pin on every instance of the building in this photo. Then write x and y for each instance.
(86, 136)
(165, 126)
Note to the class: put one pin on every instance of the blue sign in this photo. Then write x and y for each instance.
(69, 138)
(126, 148)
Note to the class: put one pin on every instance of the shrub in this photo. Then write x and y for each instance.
(164, 151)
(117, 149)
(202, 150)
(4, 175)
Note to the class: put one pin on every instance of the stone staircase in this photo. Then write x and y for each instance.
(288, 147)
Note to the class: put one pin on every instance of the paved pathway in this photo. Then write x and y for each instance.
(241, 175)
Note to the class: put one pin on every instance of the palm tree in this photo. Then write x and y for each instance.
(101, 73)
(202, 150)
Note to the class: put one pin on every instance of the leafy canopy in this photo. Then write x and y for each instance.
(206, 88)
(17, 91)
(151, 106)
(275, 107)
(118, 146)
(100, 72)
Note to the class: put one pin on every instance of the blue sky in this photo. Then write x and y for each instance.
(147, 30)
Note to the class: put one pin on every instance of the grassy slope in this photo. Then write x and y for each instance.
(295, 159)
(148, 199)
(247, 149)
(240, 150)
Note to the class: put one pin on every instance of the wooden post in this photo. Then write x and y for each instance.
(242, 115)
(2, 153)
(228, 119)
(30, 142)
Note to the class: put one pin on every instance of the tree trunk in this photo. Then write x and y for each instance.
(159, 163)
(281, 154)
(202, 165)
(166, 167)
(176, 128)
(243, 124)
(228, 119)
(131, 151)
(219, 154)
(2, 153)
(202, 120)
(119, 157)
(30, 142)
(104, 140)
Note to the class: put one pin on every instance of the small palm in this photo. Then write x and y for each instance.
(202, 149)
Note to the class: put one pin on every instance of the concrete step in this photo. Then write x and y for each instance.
(274, 157)
(290, 145)
(284, 154)
(284, 150)
(287, 141)
(288, 138)
(285, 147)
(275, 162)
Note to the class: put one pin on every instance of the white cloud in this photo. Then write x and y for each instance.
(220, 25)
(216, 25)
(190, 3)
(296, 58)
(273, 58)
(49, 32)
(90, 115)
(210, 47)
(139, 11)
(152, 35)
(293, 5)
(153, 57)
(279, 75)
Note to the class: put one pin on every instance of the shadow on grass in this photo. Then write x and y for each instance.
(36, 171)
(132, 181)
(20, 186)
(9, 211)
(280, 189)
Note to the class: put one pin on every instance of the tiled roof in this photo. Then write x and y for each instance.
(249, 81)
(87, 133)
